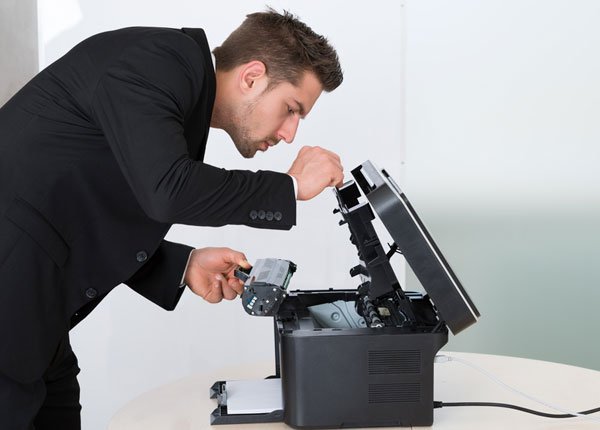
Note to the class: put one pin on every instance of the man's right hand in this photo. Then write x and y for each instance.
(210, 273)
(315, 169)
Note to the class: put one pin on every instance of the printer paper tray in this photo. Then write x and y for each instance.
(221, 414)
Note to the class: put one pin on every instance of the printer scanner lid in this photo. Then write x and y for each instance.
(418, 248)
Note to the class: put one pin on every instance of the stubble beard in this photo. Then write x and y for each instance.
(239, 131)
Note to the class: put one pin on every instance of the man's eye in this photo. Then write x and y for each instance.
(290, 110)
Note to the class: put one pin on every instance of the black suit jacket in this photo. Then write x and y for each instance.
(99, 154)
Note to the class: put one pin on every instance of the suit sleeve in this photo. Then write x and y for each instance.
(140, 104)
(159, 279)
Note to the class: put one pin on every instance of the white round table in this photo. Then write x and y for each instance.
(185, 404)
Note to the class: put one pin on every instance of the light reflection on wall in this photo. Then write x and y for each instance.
(502, 152)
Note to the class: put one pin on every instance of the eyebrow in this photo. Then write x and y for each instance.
(301, 109)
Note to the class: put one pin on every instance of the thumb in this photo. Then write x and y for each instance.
(238, 258)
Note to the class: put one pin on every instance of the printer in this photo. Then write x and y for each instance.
(360, 357)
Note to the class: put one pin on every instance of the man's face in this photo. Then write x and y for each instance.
(261, 121)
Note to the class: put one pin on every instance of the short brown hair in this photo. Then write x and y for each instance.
(286, 46)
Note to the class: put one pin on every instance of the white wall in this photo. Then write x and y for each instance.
(18, 45)
(128, 345)
(502, 141)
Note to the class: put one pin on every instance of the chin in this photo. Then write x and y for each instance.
(249, 153)
(244, 150)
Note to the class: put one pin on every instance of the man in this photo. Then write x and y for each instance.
(102, 152)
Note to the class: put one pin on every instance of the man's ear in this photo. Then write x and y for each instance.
(253, 77)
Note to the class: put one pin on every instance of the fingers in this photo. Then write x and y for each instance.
(314, 169)
(215, 291)
(222, 288)
(216, 260)
(304, 150)
(232, 287)
(237, 258)
(243, 262)
(337, 177)
(321, 150)
(229, 293)
(236, 285)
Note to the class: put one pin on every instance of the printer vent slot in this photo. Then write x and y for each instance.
(394, 362)
(395, 393)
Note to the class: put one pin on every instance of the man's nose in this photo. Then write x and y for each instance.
(287, 132)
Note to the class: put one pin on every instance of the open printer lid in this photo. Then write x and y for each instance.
(418, 248)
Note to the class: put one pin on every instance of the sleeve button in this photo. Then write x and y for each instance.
(90, 293)
(269, 216)
(261, 214)
(277, 216)
(253, 215)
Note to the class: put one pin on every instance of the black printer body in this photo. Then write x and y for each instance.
(355, 377)
(364, 357)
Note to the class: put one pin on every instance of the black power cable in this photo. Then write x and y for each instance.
(437, 405)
